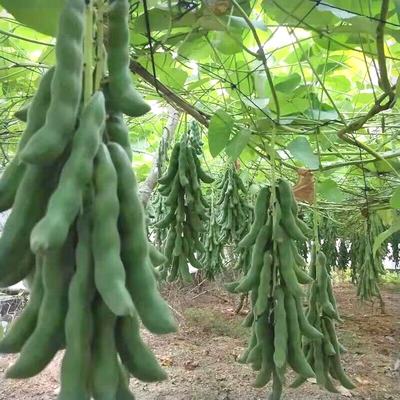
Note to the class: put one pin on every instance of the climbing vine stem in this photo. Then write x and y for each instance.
(88, 52)
(100, 51)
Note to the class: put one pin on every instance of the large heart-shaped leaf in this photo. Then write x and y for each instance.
(41, 15)
(301, 150)
(395, 199)
(330, 191)
(384, 236)
(219, 131)
(238, 143)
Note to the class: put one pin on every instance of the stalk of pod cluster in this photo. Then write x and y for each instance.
(77, 224)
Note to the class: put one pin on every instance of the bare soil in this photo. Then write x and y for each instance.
(201, 358)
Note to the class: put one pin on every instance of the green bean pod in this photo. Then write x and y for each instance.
(169, 175)
(76, 363)
(118, 132)
(123, 391)
(105, 372)
(20, 271)
(50, 141)
(25, 324)
(36, 116)
(123, 96)
(64, 204)
(29, 206)
(157, 258)
(296, 356)
(135, 355)
(280, 329)
(260, 217)
(48, 336)
(153, 310)
(109, 270)
(22, 113)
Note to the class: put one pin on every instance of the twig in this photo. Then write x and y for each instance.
(380, 47)
(200, 294)
(261, 55)
(176, 311)
(169, 95)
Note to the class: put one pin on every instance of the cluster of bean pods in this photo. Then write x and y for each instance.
(233, 209)
(323, 354)
(77, 226)
(277, 320)
(181, 185)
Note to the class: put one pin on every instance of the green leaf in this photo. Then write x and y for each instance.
(238, 143)
(195, 48)
(159, 20)
(299, 13)
(175, 78)
(342, 14)
(41, 15)
(323, 115)
(256, 103)
(227, 43)
(301, 150)
(288, 83)
(289, 104)
(384, 236)
(219, 131)
(395, 199)
(330, 191)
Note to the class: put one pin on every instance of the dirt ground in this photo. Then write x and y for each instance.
(200, 358)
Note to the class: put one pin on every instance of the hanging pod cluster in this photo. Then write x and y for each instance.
(376, 228)
(370, 266)
(243, 254)
(369, 272)
(357, 251)
(157, 210)
(212, 259)
(78, 225)
(194, 134)
(277, 320)
(233, 210)
(323, 354)
(343, 256)
(181, 185)
(329, 234)
(395, 246)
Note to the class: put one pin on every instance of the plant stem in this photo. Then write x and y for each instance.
(261, 55)
(88, 53)
(100, 51)
(380, 47)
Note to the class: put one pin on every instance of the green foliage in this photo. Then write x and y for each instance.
(219, 131)
(41, 15)
(301, 150)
